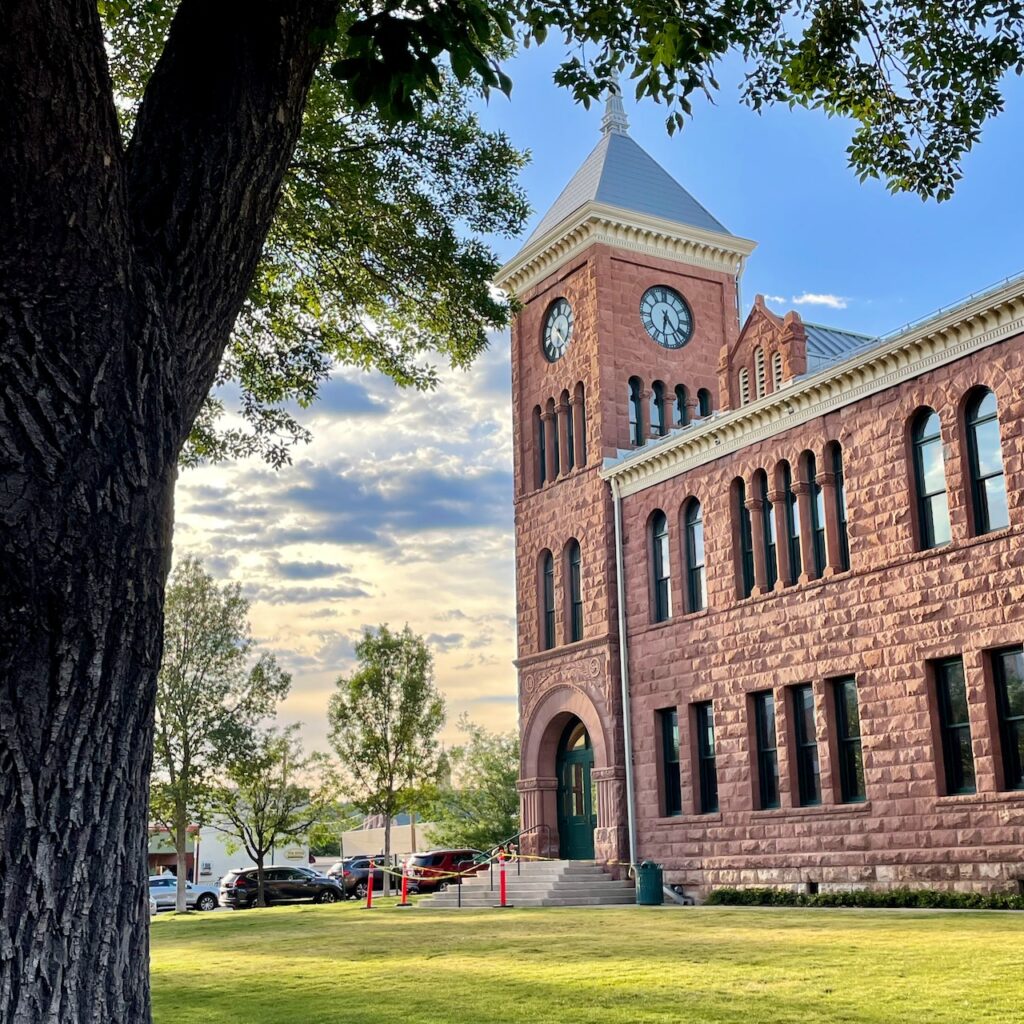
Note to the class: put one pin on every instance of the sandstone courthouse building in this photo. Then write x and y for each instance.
(769, 574)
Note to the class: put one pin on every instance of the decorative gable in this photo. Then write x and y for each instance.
(770, 351)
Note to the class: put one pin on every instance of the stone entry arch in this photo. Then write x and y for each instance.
(542, 733)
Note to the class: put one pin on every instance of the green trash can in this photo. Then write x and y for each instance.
(649, 882)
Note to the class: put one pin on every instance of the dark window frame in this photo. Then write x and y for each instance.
(682, 408)
(766, 736)
(979, 489)
(808, 763)
(696, 572)
(704, 406)
(817, 516)
(575, 591)
(926, 500)
(840, 478)
(661, 567)
(791, 508)
(542, 455)
(1011, 726)
(659, 425)
(636, 417)
(672, 805)
(849, 746)
(954, 733)
(770, 530)
(746, 542)
(570, 439)
(707, 766)
(548, 596)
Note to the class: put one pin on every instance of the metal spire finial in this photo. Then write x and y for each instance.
(614, 120)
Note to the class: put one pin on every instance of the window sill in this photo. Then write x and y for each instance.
(995, 796)
(688, 819)
(813, 811)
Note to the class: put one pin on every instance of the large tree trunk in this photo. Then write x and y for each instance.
(121, 274)
(181, 852)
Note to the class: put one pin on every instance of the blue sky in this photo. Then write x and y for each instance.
(401, 508)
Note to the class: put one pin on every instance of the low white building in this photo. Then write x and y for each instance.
(218, 853)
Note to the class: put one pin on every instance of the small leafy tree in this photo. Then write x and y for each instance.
(209, 698)
(272, 791)
(481, 808)
(384, 720)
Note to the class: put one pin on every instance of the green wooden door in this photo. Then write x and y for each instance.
(576, 812)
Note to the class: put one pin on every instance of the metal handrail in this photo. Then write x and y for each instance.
(504, 845)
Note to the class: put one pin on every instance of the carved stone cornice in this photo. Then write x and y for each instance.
(949, 335)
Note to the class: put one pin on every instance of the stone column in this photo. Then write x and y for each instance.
(756, 508)
(611, 837)
(802, 490)
(778, 500)
(833, 560)
(646, 421)
(550, 443)
(562, 415)
(579, 429)
(538, 816)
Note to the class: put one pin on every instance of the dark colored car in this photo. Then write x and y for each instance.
(353, 874)
(239, 888)
(429, 872)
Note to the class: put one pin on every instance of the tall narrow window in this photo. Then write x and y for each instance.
(851, 755)
(581, 401)
(696, 580)
(792, 513)
(776, 371)
(670, 761)
(703, 403)
(954, 722)
(555, 468)
(767, 750)
(985, 452)
(706, 767)
(636, 419)
(542, 455)
(660, 572)
(746, 540)
(1009, 680)
(807, 771)
(570, 440)
(768, 523)
(682, 409)
(659, 425)
(817, 513)
(744, 383)
(930, 480)
(548, 592)
(759, 378)
(844, 537)
(575, 593)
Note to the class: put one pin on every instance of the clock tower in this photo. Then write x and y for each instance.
(628, 288)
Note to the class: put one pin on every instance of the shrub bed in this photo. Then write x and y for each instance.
(920, 898)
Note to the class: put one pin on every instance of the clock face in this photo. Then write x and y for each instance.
(666, 316)
(557, 329)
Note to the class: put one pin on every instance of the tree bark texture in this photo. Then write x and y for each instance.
(121, 272)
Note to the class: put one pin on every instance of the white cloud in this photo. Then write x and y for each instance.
(775, 298)
(820, 299)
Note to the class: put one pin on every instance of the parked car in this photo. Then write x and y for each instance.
(164, 890)
(431, 871)
(354, 873)
(239, 888)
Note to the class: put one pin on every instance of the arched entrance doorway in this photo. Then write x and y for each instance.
(577, 794)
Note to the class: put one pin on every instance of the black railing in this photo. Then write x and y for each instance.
(514, 844)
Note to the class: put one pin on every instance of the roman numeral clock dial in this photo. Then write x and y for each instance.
(557, 329)
(666, 316)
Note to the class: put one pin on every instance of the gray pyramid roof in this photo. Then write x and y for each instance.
(828, 345)
(619, 173)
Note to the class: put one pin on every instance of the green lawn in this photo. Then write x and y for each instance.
(322, 965)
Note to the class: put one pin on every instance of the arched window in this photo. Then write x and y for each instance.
(581, 404)
(574, 593)
(834, 454)
(703, 403)
(539, 438)
(570, 439)
(817, 513)
(682, 408)
(744, 381)
(636, 419)
(659, 424)
(555, 468)
(771, 557)
(985, 463)
(744, 534)
(930, 480)
(696, 580)
(547, 590)
(759, 381)
(792, 515)
(660, 571)
(776, 371)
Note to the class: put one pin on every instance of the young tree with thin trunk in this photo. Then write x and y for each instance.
(384, 721)
(303, 170)
(209, 699)
(271, 791)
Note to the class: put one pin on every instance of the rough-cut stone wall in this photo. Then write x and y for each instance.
(883, 621)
